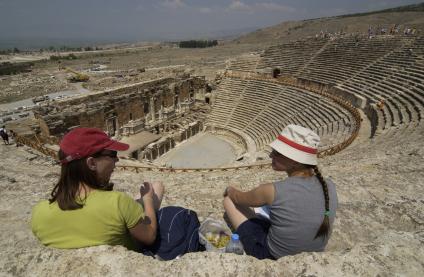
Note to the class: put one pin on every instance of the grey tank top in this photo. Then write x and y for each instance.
(296, 215)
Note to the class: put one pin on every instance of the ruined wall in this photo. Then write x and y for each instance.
(112, 109)
(160, 147)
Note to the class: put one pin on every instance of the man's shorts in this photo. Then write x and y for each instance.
(253, 234)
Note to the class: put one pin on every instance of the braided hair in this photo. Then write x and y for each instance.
(324, 229)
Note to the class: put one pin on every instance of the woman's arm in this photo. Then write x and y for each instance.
(146, 228)
(259, 196)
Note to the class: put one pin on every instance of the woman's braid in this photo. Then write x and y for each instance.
(325, 226)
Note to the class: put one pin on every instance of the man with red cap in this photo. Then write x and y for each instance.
(83, 210)
(300, 210)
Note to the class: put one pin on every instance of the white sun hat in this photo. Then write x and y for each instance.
(297, 143)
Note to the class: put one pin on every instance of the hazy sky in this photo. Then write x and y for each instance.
(162, 19)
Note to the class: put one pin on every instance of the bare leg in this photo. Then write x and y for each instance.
(237, 214)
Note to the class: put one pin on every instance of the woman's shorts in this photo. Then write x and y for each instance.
(253, 233)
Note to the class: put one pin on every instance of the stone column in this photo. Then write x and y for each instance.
(178, 104)
(117, 131)
(152, 108)
(200, 95)
(161, 112)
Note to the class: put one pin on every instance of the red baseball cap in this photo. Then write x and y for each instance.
(83, 142)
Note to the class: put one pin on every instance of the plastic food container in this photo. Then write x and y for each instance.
(212, 232)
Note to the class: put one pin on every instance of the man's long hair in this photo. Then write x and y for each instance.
(72, 175)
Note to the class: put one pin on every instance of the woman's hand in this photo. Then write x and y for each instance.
(146, 229)
(227, 191)
(146, 190)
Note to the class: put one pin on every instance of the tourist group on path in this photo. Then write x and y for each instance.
(83, 209)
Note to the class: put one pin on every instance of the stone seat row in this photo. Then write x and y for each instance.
(244, 63)
(383, 69)
(376, 73)
(388, 77)
(398, 88)
(330, 132)
(336, 69)
(398, 109)
(366, 50)
(265, 108)
(290, 57)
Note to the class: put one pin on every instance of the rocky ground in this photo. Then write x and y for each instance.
(112, 68)
(379, 230)
(27, 85)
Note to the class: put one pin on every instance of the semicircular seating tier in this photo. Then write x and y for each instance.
(246, 62)
(385, 72)
(259, 110)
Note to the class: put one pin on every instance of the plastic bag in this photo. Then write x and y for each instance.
(215, 229)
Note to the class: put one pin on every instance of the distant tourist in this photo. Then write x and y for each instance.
(299, 211)
(85, 211)
(4, 135)
(369, 32)
(276, 72)
(397, 28)
(356, 40)
(380, 104)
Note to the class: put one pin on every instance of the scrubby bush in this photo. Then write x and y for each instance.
(66, 57)
(197, 43)
(8, 68)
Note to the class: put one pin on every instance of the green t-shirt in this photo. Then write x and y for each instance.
(104, 219)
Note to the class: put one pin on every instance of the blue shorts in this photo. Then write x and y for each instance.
(253, 234)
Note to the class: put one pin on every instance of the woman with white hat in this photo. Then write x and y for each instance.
(301, 207)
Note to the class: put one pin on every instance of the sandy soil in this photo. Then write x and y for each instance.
(201, 151)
